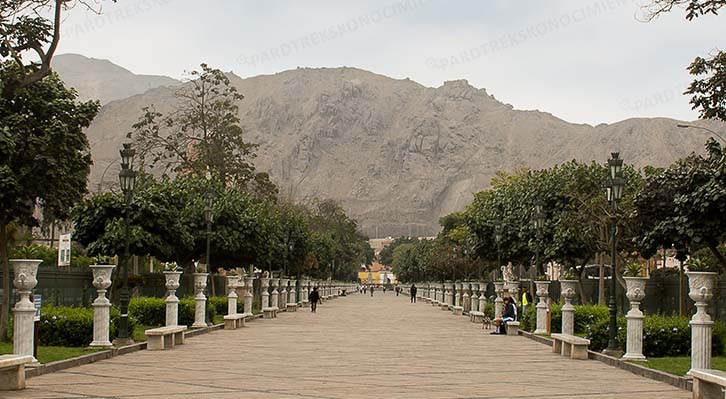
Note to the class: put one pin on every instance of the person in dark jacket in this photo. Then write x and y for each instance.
(509, 314)
(314, 298)
(413, 293)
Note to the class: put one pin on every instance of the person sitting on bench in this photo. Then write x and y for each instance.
(507, 315)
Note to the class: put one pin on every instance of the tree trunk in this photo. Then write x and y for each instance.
(601, 280)
(5, 312)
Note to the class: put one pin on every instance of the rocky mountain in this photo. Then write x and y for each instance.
(103, 80)
(396, 154)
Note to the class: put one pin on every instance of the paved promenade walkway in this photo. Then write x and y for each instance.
(354, 347)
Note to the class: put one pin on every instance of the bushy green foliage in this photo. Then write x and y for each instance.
(662, 336)
(152, 311)
(218, 305)
(68, 326)
(489, 310)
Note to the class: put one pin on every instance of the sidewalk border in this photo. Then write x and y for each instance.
(657, 375)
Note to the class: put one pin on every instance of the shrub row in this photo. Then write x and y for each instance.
(67, 326)
(151, 311)
(662, 335)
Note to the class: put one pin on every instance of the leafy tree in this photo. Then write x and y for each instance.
(708, 95)
(201, 134)
(27, 32)
(385, 257)
(684, 206)
(44, 157)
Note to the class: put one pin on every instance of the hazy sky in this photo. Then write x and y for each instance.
(588, 61)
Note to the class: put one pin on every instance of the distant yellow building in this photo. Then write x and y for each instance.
(377, 275)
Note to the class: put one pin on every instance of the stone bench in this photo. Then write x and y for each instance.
(512, 328)
(269, 313)
(457, 310)
(570, 345)
(292, 307)
(12, 371)
(476, 316)
(234, 321)
(708, 384)
(443, 306)
(164, 337)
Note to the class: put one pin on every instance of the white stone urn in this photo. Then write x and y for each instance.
(542, 291)
(25, 272)
(200, 283)
(700, 286)
(172, 302)
(101, 306)
(635, 291)
(569, 290)
(499, 302)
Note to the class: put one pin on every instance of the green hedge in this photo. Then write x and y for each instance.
(585, 317)
(219, 303)
(662, 336)
(67, 326)
(150, 311)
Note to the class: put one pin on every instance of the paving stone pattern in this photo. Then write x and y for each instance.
(354, 347)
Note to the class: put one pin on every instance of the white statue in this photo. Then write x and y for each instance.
(508, 272)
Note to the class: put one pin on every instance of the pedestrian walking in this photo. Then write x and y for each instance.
(413, 293)
(371, 287)
(525, 300)
(314, 298)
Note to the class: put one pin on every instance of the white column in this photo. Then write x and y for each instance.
(466, 298)
(701, 291)
(172, 302)
(499, 302)
(474, 297)
(101, 306)
(482, 296)
(275, 282)
(542, 294)
(249, 296)
(634, 343)
(265, 284)
(24, 311)
(305, 292)
(200, 300)
(232, 294)
(293, 293)
(283, 293)
(568, 311)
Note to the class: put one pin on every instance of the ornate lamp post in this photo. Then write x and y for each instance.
(685, 126)
(209, 218)
(498, 239)
(127, 178)
(539, 219)
(614, 191)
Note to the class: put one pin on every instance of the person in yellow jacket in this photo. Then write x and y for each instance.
(525, 299)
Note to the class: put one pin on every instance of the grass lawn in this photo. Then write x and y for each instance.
(47, 354)
(679, 365)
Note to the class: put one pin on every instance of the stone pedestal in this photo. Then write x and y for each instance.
(172, 302)
(292, 293)
(569, 290)
(305, 293)
(459, 295)
(232, 283)
(283, 293)
(474, 297)
(466, 298)
(200, 300)
(635, 291)
(275, 295)
(249, 297)
(543, 290)
(267, 308)
(499, 302)
(700, 286)
(482, 296)
(25, 271)
(101, 306)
